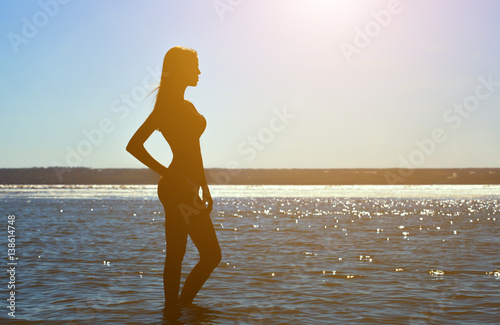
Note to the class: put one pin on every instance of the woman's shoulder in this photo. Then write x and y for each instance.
(165, 108)
(189, 103)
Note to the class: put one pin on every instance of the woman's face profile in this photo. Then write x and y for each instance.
(193, 74)
(189, 71)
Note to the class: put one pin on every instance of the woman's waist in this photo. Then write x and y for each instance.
(186, 173)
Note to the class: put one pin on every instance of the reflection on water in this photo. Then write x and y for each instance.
(98, 258)
(190, 315)
(253, 191)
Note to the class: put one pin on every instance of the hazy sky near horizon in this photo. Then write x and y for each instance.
(283, 84)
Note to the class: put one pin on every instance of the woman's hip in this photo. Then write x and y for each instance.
(176, 190)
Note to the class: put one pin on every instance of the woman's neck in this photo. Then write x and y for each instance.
(175, 91)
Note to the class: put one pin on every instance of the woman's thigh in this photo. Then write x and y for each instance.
(176, 231)
(180, 199)
(202, 232)
(185, 214)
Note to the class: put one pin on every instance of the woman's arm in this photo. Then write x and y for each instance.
(136, 146)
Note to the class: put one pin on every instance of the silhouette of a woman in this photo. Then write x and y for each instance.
(185, 212)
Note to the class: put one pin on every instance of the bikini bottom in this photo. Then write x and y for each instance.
(180, 199)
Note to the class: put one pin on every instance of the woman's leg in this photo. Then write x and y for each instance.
(176, 236)
(202, 232)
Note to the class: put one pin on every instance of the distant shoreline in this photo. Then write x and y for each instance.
(130, 176)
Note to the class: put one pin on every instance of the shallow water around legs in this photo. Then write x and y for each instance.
(286, 260)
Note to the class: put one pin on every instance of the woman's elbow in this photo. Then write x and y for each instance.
(129, 147)
(133, 147)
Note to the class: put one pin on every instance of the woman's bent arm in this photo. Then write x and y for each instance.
(136, 147)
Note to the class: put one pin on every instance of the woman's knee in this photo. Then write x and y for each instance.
(217, 258)
(211, 258)
(175, 255)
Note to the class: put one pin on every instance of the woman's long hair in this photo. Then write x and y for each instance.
(174, 62)
(176, 59)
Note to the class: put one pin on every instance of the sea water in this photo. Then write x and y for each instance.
(291, 255)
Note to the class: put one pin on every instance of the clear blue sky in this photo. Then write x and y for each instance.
(363, 83)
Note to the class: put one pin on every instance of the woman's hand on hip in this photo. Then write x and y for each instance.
(207, 198)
